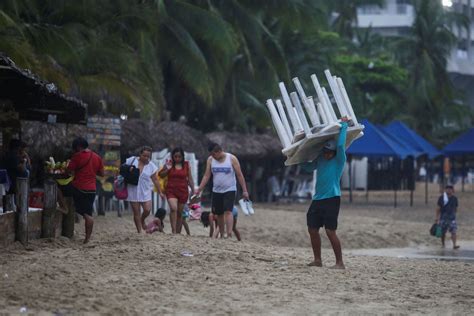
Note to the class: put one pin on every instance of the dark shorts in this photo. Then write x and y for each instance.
(222, 202)
(83, 201)
(67, 190)
(324, 213)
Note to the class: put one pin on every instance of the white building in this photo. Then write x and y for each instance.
(396, 17)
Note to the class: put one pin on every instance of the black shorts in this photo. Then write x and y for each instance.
(222, 202)
(67, 190)
(83, 201)
(324, 213)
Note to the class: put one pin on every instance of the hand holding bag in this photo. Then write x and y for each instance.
(130, 173)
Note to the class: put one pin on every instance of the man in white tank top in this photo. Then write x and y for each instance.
(224, 168)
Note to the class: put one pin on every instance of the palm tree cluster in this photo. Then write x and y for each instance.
(215, 62)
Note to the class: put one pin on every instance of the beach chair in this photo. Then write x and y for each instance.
(302, 139)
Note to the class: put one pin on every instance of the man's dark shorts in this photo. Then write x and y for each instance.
(83, 201)
(222, 202)
(324, 213)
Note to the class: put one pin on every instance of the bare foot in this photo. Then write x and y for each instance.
(456, 247)
(86, 240)
(315, 264)
(339, 266)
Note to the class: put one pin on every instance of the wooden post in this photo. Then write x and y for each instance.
(22, 210)
(101, 205)
(349, 160)
(9, 203)
(68, 219)
(428, 173)
(253, 181)
(48, 223)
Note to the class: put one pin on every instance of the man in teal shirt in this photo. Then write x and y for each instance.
(324, 209)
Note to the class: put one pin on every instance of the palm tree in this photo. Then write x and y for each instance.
(424, 52)
(346, 14)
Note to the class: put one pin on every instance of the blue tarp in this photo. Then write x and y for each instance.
(376, 143)
(409, 147)
(408, 136)
(463, 145)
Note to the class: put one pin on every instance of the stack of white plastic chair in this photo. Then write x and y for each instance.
(303, 139)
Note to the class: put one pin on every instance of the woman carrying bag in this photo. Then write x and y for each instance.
(139, 194)
(179, 177)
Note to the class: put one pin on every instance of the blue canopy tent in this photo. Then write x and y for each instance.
(407, 135)
(416, 141)
(461, 147)
(377, 143)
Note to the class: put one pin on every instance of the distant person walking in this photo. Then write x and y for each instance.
(324, 209)
(140, 195)
(446, 215)
(179, 181)
(224, 167)
(85, 165)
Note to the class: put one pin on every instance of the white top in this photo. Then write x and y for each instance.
(142, 191)
(223, 175)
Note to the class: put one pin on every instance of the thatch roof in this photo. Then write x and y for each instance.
(137, 133)
(34, 99)
(46, 140)
(248, 146)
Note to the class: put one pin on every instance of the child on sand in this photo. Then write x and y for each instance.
(157, 223)
(209, 219)
(184, 223)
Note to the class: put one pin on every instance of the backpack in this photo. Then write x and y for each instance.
(120, 188)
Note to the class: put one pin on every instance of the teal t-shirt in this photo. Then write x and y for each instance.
(329, 171)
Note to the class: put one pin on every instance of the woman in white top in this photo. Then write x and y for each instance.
(140, 194)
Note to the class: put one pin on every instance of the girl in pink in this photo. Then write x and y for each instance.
(157, 223)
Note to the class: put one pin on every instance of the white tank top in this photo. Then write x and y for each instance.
(223, 175)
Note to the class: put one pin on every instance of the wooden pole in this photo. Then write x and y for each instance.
(349, 160)
(48, 223)
(9, 203)
(68, 219)
(22, 210)
(428, 172)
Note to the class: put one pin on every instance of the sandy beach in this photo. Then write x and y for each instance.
(123, 273)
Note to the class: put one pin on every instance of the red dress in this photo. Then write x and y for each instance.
(177, 186)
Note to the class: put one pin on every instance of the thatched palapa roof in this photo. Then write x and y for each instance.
(46, 140)
(248, 146)
(35, 99)
(159, 135)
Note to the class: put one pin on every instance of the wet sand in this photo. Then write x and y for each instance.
(123, 273)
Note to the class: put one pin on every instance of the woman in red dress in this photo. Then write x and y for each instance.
(179, 179)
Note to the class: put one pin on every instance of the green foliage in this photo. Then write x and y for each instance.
(216, 62)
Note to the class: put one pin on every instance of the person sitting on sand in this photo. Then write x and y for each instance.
(157, 223)
(324, 209)
(446, 215)
(210, 219)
